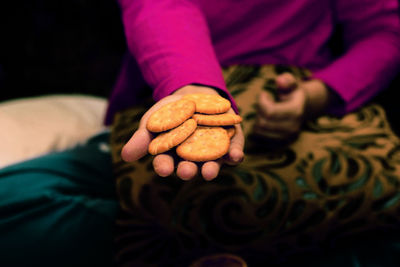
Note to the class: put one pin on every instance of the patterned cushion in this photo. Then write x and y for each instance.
(338, 177)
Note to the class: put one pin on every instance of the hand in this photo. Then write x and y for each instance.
(164, 164)
(297, 101)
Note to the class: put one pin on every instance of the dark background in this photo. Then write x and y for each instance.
(59, 46)
(76, 46)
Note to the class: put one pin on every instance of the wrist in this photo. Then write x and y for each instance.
(195, 89)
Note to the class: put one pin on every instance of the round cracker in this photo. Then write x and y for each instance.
(209, 104)
(165, 141)
(217, 120)
(171, 115)
(205, 144)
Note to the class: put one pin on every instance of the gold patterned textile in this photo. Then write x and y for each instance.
(339, 176)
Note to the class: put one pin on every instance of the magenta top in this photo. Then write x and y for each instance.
(173, 43)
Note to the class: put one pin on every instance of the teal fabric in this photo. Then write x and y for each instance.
(59, 209)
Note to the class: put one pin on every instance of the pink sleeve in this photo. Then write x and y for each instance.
(171, 42)
(371, 32)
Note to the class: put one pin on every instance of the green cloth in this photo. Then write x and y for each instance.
(59, 209)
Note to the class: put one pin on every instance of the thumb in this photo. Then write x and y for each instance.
(137, 146)
(286, 82)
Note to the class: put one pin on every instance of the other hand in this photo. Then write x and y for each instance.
(297, 101)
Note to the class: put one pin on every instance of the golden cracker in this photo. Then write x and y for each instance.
(165, 141)
(217, 120)
(205, 144)
(209, 103)
(171, 115)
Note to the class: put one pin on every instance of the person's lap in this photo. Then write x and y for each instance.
(284, 198)
(59, 209)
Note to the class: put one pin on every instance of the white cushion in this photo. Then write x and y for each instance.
(38, 125)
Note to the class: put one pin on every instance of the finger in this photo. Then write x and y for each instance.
(268, 108)
(210, 170)
(186, 170)
(137, 145)
(286, 81)
(265, 103)
(292, 107)
(280, 126)
(163, 165)
(271, 134)
(235, 152)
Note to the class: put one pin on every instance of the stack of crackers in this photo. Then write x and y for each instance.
(198, 125)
